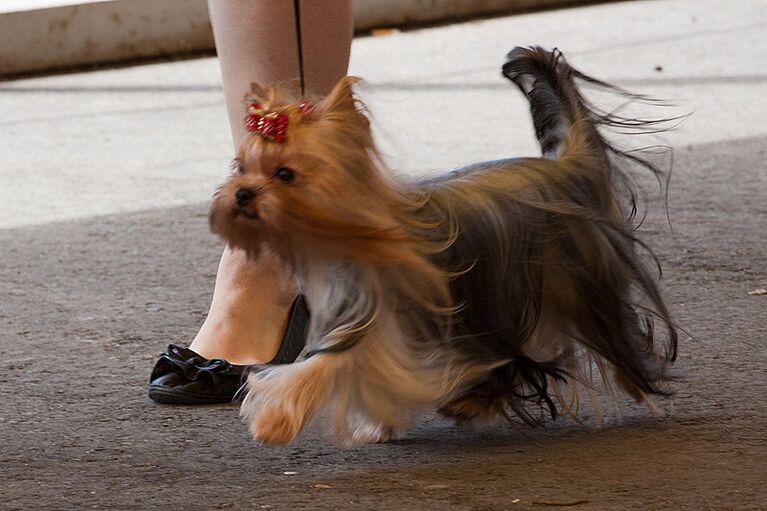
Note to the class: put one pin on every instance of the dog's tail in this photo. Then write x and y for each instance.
(568, 125)
(564, 119)
(557, 107)
(594, 282)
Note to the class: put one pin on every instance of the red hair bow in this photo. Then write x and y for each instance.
(272, 126)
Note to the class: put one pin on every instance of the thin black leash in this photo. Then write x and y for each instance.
(297, 9)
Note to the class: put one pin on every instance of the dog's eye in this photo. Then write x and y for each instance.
(285, 174)
(238, 167)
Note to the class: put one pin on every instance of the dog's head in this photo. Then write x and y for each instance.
(307, 180)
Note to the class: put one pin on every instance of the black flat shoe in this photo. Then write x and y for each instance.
(183, 377)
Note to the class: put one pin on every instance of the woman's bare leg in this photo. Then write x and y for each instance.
(256, 40)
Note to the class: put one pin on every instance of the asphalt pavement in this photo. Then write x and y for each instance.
(106, 257)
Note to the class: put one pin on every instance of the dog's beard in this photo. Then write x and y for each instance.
(247, 230)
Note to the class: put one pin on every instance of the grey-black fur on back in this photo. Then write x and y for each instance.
(548, 271)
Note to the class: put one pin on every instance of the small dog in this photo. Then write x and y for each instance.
(495, 287)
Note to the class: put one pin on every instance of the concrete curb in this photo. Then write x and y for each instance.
(35, 40)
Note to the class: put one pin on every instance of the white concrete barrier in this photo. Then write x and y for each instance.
(47, 35)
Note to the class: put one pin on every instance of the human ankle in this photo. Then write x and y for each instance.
(239, 342)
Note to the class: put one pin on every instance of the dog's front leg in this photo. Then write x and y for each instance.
(281, 400)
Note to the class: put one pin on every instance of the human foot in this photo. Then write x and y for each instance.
(249, 311)
(182, 376)
(254, 318)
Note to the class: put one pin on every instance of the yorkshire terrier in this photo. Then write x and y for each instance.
(494, 291)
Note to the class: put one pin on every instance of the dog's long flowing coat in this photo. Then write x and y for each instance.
(478, 293)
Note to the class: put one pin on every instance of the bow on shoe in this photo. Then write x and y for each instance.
(191, 366)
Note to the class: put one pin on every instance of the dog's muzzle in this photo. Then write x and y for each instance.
(244, 196)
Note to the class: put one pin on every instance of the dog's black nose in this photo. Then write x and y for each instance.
(244, 196)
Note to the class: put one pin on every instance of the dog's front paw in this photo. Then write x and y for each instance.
(273, 425)
(272, 406)
(282, 400)
(370, 433)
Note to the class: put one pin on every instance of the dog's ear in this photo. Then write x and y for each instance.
(258, 92)
(342, 96)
